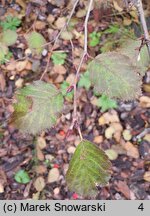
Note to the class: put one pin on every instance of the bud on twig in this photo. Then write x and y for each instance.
(70, 89)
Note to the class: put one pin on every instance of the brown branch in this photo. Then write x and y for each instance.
(143, 22)
(75, 117)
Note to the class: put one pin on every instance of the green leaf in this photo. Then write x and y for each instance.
(38, 107)
(64, 86)
(113, 29)
(59, 58)
(139, 59)
(88, 168)
(94, 39)
(9, 37)
(85, 80)
(36, 42)
(114, 75)
(10, 23)
(6, 58)
(22, 177)
(106, 103)
(122, 34)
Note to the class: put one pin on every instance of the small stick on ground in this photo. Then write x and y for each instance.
(143, 133)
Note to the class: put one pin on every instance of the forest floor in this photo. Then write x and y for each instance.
(123, 130)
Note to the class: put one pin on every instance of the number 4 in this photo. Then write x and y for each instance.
(141, 207)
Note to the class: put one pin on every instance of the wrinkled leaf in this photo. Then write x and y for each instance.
(22, 177)
(36, 42)
(88, 168)
(9, 37)
(114, 75)
(139, 59)
(38, 107)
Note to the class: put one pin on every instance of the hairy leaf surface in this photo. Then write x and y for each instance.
(38, 107)
(114, 75)
(36, 42)
(9, 37)
(88, 168)
(139, 56)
